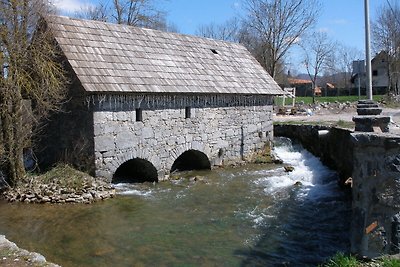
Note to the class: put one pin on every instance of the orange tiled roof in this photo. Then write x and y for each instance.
(298, 81)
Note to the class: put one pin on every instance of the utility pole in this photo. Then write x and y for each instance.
(368, 51)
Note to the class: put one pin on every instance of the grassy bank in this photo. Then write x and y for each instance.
(341, 260)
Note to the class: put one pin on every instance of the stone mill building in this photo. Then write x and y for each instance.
(143, 103)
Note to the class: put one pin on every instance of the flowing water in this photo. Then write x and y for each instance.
(256, 215)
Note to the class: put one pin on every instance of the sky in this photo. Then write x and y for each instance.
(342, 20)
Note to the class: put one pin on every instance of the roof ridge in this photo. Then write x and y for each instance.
(145, 29)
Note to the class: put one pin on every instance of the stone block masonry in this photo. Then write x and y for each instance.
(376, 195)
(226, 129)
(372, 161)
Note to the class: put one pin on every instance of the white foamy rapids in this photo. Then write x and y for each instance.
(257, 216)
(132, 189)
(308, 170)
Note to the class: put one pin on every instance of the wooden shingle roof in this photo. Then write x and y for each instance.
(118, 58)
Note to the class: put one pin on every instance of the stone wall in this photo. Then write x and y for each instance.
(373, 162)
(99, 132)
(67, 135)
(376, 195)
(223, 128)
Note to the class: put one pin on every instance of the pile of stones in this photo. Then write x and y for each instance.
(54, 193)
(335, 107)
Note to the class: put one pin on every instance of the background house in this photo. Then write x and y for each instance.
(303, 86)
(380, 71)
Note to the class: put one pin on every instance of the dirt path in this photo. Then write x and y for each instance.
(326, 116)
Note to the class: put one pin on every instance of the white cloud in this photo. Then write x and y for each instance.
(70, 5)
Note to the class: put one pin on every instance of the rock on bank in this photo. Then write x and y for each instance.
(13, 256)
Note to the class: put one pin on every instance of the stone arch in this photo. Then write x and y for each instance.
(135, 170)
(191, 160)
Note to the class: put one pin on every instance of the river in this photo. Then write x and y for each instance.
(255, 215)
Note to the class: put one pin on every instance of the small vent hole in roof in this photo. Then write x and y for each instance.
(214, 51)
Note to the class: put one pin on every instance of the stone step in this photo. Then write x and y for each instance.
(367, 105)
(372, 119)
(368, 123)
(369, 111)
(366, 101)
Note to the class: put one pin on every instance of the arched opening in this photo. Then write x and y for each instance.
(135, 171)
(191, 160)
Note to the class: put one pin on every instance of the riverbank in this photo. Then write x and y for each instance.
(62, 184)
(13, 256)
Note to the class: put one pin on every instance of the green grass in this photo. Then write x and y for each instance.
(342, 260)
(322, 99)
(390, 262)
(344, 124)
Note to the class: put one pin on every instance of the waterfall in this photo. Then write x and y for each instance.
(308, 170)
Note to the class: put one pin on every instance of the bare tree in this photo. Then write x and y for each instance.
(278, 25)
(386, 36)
(98, 12)
(342, 65)
(30, 70)
(318, 50)
(141, 13)
(228, 31)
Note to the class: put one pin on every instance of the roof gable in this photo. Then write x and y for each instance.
(118, 58)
